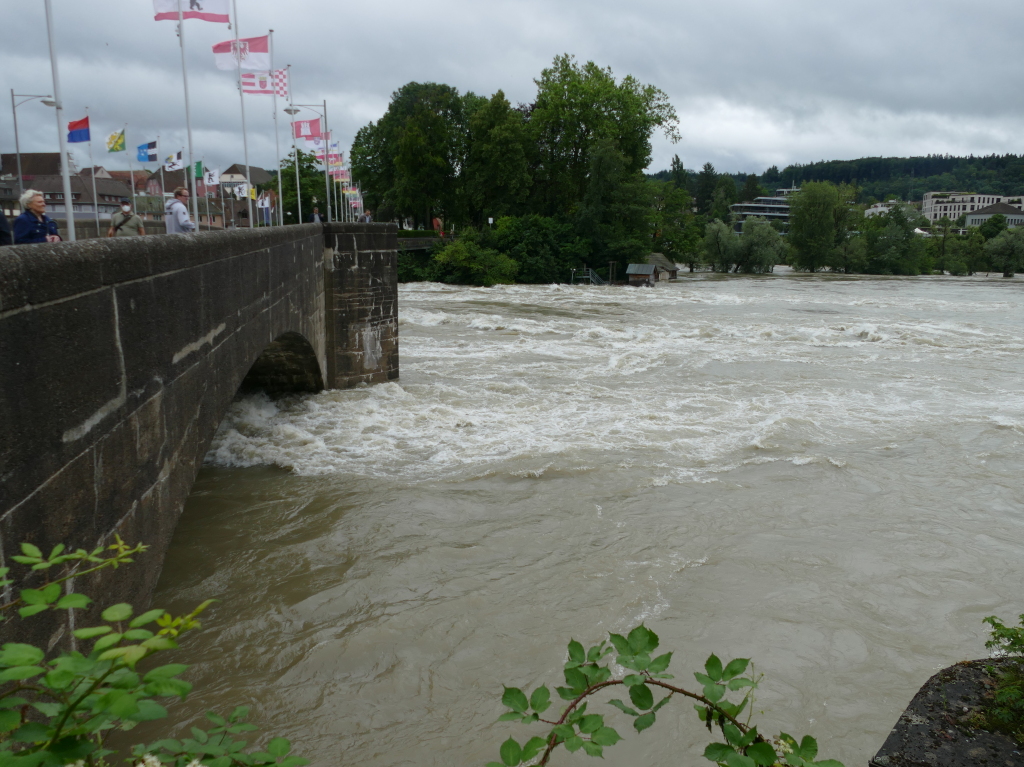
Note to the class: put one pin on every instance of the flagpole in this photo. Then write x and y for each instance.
(241, 99)
(295, 147)
(131, 171)
(188, 116)
(92, 174)
(277, 133)
(61, 135)
(327, 163)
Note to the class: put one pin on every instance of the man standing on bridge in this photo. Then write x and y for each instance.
(126, 223)
(176, 213)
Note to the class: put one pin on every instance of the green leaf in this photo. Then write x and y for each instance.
(124, 707)
(119, 612)
(31, 551)
(17, 673)
(540, 701)
(638, 662)
(576, 652)
(73, 601)
(9, 720)
(660, 663)
(737, 684)
(511, 753)
(641, 723)
(147, 617)
(51, 593)
(662, 702)
(533, 747)
(762, 754)
(734, 735)
(593, 749)
(591, 723)
(606, 736)
(714, 692)
(642, 639)
(28, 612)
(31, 732)
(828, 763)
(134, 635)
(104, 642)
(165, 672)
(620, 643)
(511, 716)
(564, 731)
(738, 760)
(199, 735)
(95, 631)
(12, 702)
(576, 679)
(57, 550)
(717, 752)
(714, 667)
(279, 746)
(633, 679)
(623, 707)
(641, 696)
(808, 747)
(514, 699)
(704, 679)
(14, 654)
(149, 710)
(574, 744)
(735, 668)
(565, 693)
(168, 687)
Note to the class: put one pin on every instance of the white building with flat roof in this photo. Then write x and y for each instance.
(952, 205)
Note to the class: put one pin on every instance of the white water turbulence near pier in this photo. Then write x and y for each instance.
(817, 472)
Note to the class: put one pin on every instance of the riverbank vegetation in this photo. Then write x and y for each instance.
(1005, 712)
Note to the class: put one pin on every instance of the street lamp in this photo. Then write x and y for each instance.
(25, 97)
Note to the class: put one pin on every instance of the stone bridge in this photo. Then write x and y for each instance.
(118, 359)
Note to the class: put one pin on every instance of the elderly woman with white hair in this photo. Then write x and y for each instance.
(34, 225)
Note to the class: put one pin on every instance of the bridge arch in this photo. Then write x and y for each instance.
(288, 365)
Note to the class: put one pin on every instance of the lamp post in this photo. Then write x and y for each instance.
(48, 101)
(315, 108)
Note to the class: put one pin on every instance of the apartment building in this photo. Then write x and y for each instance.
(770, 208)
(955, 204)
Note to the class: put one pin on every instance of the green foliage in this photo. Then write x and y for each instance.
(1005, 251)
(466, 262)
(993, 226)
(721, 246)
(1005, 712)
(311, 180)
(546, 249)
(61, 710)
(760, 247)
(724, 694)
(819, 222)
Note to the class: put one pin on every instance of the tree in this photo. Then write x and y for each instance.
(674, 233)
(771, 177)
(818, 222)
(723, 197)
(311, 179)
(707, 180)
(576, 108)
(993, 227)
(1006, 251)
(497, 169)
(760, 247)
(751, 189)
(546, 249)
(721, 246)
(678, 174)
(466, 262)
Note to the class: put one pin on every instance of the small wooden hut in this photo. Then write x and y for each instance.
(642, 274)
(667, 268)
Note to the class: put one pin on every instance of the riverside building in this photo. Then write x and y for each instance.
(770, 208)
(935, 205)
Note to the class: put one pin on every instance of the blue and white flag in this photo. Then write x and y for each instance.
(147, 152)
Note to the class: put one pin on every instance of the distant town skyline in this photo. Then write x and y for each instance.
(754, 84)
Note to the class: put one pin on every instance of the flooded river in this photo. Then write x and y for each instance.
(817, 472)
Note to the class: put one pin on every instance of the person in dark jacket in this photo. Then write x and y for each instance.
(5, 231)
(316, 218)
(34, 225)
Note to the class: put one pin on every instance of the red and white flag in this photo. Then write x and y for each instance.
(249, 53)
(204, 10)
(266, 83)
(306, 129)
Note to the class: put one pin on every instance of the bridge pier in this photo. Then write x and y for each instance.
(120, 357)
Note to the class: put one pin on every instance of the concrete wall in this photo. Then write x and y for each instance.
(120, 357)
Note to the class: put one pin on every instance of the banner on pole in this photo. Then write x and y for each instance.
(78, 131)
(306, 128)
(212, 177)
(247, 53)
(146, 152)
(199, 169)
(205, 10)
(174, 162)
(115, 142)
(266, 83)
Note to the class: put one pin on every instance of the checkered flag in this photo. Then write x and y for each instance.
(281, 82)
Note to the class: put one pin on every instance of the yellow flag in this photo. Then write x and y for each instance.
(252, 193)
(115, 142)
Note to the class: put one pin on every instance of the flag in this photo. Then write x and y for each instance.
(239, 191)
(115, 142)
(306, 128)
(146, 152)
(249, 53)
(212, 177)
(174, 162)
(78, 131)
(199, 169)
(204, 10)
(266, 83)
(252, 193)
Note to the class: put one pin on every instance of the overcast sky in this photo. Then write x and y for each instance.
(754, 83)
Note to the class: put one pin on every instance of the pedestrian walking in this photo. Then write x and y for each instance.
(33, 225)
(176, 213)
(6, 238)
(126, 222)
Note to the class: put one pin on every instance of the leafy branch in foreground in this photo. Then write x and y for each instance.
(61, 711)
(586, 675)
(1005, 712)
